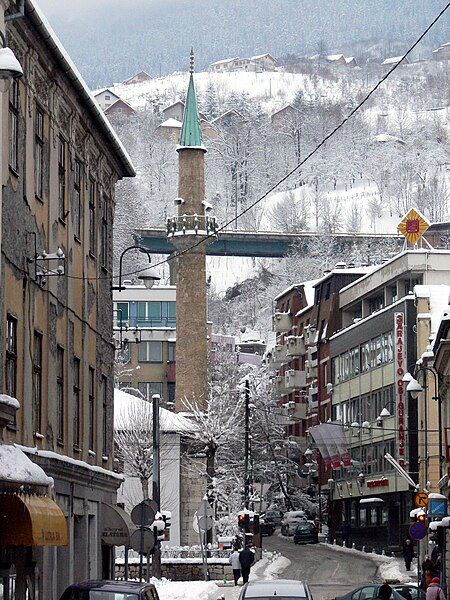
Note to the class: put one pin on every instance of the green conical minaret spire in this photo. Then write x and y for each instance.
(191, 133)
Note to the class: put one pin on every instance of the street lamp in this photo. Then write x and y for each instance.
(10, 67)
(148, 276)
(414, 388)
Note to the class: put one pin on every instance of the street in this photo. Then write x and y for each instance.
(328, 572)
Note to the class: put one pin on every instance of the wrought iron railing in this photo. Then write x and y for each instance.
(192, 225)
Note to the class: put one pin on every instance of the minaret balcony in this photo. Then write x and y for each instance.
(191, 225)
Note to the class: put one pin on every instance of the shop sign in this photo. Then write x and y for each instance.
(374, 483)
(400, 388)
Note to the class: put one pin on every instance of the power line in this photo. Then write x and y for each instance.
(204, 239)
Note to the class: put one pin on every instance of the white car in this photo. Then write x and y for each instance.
(279, 588)
(290, 521)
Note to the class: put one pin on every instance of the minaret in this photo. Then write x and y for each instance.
(189, 231)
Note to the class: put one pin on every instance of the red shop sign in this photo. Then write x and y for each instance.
(378, 483)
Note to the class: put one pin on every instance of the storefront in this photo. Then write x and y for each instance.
(29, 520)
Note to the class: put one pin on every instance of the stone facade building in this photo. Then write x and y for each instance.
(61, 160)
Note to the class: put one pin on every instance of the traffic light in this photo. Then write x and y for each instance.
(422, 518)
(244, 521)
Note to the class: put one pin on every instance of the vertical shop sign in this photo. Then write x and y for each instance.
(400, 388)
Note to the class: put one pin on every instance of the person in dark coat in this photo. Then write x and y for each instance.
(384, 592)
(345, 532)
(246, 558)
(408, 553)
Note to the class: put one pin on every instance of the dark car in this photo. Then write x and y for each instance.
(110, 590)
(284, 589)
(266, 527)
(370, 592)
(306, 533)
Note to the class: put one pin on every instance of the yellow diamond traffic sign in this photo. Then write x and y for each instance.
(413, 226)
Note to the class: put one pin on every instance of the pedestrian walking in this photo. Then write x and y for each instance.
(235, 565)
(434, 590)
(384, 592)
(408, 553)
(427, 572)
(246, 558)
(345, 532)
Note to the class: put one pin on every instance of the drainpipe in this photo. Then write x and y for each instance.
(17, 15)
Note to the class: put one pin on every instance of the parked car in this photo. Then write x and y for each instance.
(290, 521)
(306, 533)
(274, 515)
(266, 527)
(282, 588)
(110, 590)
(400, 591)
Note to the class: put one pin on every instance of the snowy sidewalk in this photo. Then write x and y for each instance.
(391, 569)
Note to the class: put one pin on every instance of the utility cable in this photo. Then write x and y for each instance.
(210, 236)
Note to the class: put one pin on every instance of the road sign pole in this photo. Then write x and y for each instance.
(156, 560)
(141, 557)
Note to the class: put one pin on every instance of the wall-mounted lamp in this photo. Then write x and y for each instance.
(148, 276)
(10, 67)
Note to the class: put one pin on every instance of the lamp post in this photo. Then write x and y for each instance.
(148, 276)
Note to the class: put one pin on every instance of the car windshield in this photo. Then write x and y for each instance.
(99, 595)
(305, 527)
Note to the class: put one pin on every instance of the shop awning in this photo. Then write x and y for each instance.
(116, 525)
(31, 521)
(372, 501)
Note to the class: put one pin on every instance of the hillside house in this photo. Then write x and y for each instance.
(285, 117)
(231, 117)
(266, 62)
(174, 111)
(119, 108)
(339, 59)
(171, 129)
(221, 66)
(138, 78)
(105, 97)
(442, 53)
(394, 60)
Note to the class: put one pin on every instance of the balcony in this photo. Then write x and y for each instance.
(191, 225)
(309, 335)
(281, 322)
(300, 411)
(294, 379)
(311, 369)
(279, 354)
(295, 345)
(279, 385)
(313, 397)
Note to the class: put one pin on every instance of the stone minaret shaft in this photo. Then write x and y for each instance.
(186, 230)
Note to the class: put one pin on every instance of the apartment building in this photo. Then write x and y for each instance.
(378, 344)
(61, 161)
(144, 330)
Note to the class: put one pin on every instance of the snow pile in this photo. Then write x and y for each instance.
(276, 567)
(186, 590)
(16, 467)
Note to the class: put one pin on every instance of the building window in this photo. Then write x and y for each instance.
(39, 153)
(77, 200)
(148, 388)
(171, 350)
(11, 356)
(104, 397)
(62, 178)
(60, 392)
(107, 97)
(150, 352)
(92, 224)
(37, 381)
(76, 395)
(171, 393)
(122, 314)
(104, 234)
(14, 126)
(91, 408)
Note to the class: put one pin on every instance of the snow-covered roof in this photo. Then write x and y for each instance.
(334, 57)
(173, 104)
(349, 59)
(224, 61)
(16, 467)
(439, 299)
(172, 123)
(119, 100)
(392, 60)
(68, 460)
(347, 271)
(9, 401)
(102, 90)
(37, 17)
(386, 137)
(258, 56)
(127, 407)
